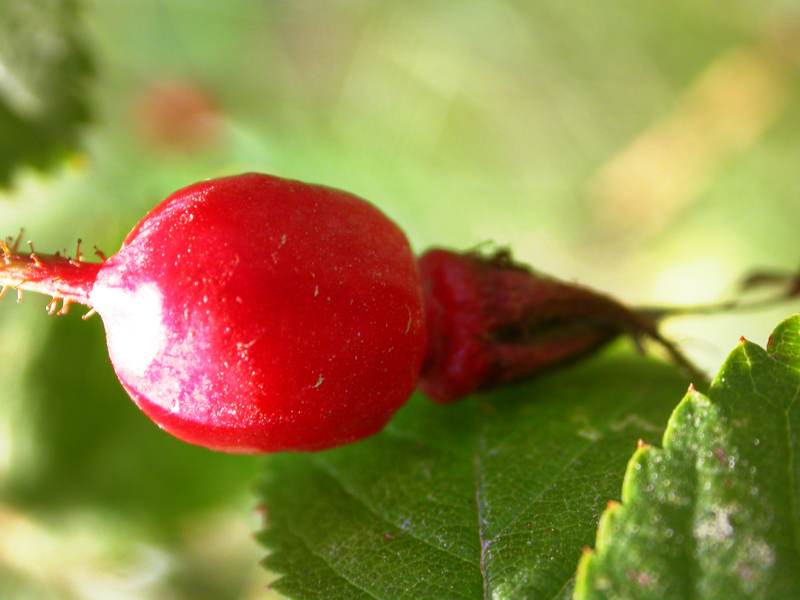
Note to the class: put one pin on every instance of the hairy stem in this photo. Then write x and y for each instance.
(62, 278)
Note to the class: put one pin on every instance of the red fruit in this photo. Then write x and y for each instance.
(258, 314)
(253, 313)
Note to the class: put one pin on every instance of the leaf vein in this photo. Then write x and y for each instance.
(563, 587)
(792, 484)
(325, 560)
(557, 477)
(480, 447)
(335, 477)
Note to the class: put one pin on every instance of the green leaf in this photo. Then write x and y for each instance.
(716, 512)
(493, 496)
(43, 72)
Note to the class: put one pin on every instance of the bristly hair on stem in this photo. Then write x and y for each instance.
(64, 279)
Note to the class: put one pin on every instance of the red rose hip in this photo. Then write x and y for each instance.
(254, 314)
(259, 314)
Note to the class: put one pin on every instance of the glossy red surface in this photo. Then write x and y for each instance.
(253, 313)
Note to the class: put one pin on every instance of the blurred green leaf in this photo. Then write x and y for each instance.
(490, 497)
(44, 67)
(95, 448)
(714, 514)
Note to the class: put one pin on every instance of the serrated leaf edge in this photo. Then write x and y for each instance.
(631, 481)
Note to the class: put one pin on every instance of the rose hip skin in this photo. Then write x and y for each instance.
(253, 314)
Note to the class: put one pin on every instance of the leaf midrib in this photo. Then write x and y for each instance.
(483, 544)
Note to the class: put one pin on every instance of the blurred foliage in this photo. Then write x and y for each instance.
(643, 147)
(44, 67)
(111, 455)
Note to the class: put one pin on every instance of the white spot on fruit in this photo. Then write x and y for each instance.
(242, 348)
(134, 325)
(246, 346)
(320, 381)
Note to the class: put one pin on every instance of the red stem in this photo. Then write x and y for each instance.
(69, 280)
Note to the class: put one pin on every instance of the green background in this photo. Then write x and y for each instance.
(646, 148)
